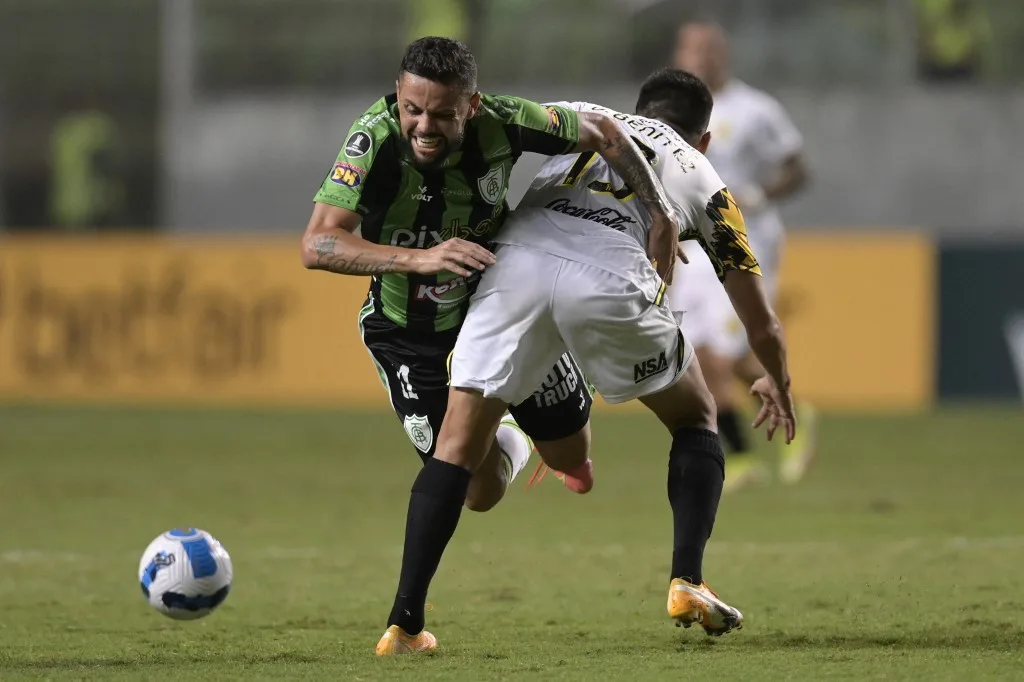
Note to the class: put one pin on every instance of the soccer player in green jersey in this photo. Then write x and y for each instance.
(424, 173)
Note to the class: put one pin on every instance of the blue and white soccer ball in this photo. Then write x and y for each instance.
(185, 573)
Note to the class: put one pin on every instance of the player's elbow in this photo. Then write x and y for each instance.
(312, 251)
(308, 255)
(765, 331)
(596, 130)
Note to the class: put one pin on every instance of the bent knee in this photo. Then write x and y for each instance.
(698, 411)
(459, 451)
(486, 489)
(482, 503)
(566, 454)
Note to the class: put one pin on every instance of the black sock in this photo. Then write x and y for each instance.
(732, 433)
(696, 470)
(434, 509)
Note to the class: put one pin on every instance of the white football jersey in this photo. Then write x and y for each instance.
(751, 135)
(579, 209)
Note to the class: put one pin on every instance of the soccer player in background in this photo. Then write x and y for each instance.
(424, 174)
(591, 289)
(758, 152)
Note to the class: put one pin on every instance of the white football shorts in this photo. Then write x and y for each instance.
(532, 306)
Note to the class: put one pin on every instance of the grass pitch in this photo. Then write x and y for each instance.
(899, 557)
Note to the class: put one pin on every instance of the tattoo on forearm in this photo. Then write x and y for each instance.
(631, 165)
(327, 259)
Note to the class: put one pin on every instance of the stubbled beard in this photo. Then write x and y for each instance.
(439, 161)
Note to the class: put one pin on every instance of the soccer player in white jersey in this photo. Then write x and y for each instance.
(757, 151)
(574, 271)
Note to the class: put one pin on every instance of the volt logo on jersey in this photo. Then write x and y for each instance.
(347, 174)
(358, 144)
(422, 195)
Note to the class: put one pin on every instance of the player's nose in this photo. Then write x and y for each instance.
(425, 127)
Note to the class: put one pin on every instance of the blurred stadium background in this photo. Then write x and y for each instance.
(158, 159)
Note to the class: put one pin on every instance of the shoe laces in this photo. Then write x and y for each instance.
(540, 472)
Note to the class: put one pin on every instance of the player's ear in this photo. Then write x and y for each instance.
(705, 141)
(474, 104)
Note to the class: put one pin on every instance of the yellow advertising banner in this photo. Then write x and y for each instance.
(179, 320)
(231, 320)
(859, 312)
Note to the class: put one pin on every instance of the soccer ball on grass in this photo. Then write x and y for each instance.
(185, 573)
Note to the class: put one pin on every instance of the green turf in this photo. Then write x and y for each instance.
(898, 558)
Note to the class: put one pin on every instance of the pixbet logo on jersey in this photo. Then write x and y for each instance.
(424, 238)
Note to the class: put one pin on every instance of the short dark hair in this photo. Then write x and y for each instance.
(443, 60)
(679, 98)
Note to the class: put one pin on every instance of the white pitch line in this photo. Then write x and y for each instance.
(341, 555)
(41, 556)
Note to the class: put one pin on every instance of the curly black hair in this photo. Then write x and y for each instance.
(443, 60)
(679, 98)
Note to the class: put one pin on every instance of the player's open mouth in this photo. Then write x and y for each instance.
(427, 144)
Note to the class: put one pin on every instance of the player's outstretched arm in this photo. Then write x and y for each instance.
(601, 134)
(329, 244)
(764, 333)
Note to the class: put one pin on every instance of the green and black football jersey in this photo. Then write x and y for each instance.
(402, 205)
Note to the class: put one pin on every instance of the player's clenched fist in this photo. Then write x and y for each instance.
(454, 255)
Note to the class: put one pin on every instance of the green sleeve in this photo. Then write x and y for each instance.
(550, 130)
(346, 181)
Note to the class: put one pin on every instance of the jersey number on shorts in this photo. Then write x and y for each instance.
(585, 160)
(405, 384)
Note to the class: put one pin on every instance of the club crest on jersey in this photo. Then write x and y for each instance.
(492, 185)
(358, 144)
(420, 433)
(347, 174)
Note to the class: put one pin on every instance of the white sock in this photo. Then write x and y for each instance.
(515, 446)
